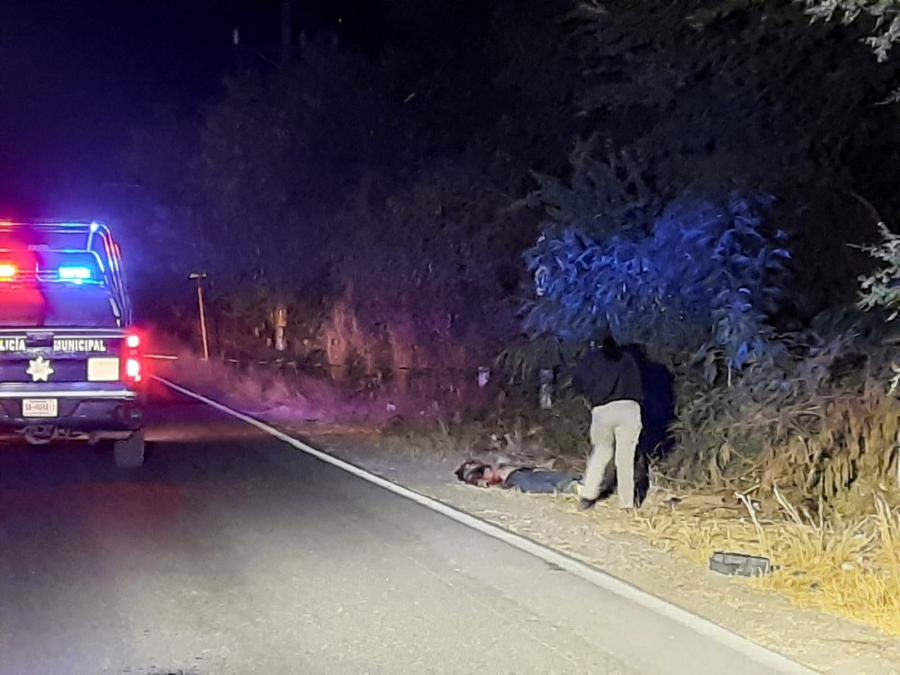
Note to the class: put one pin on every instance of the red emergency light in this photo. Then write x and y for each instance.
(8, 271)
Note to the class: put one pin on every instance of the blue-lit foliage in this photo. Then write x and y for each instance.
(703, 282)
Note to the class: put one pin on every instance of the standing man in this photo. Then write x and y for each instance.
(611, 380)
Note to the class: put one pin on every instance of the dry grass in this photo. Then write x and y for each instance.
(439, 444)
(800, 430)
(845, 566)
(289, 394)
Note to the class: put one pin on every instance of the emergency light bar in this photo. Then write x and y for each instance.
(70, 253)
(74, 272)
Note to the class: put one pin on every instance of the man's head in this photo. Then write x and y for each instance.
(597, 338)
(605, 342)
(610, 348)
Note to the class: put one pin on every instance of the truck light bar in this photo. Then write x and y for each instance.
(74, 272)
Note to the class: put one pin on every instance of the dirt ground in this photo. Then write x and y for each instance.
(610, 540)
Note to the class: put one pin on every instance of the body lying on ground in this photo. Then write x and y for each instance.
(526, 479)
(542, 481)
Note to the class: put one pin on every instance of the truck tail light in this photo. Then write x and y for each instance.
(132, 358)
(133, 369)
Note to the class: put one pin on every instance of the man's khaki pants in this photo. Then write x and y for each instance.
(615, 430)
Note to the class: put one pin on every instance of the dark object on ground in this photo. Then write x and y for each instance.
(740, 564)
(473, 472)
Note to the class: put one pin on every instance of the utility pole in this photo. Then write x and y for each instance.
(286, 29)
(200, 276)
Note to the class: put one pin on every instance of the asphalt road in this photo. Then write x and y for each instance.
(231, 552)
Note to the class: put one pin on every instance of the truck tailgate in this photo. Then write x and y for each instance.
(56, 356)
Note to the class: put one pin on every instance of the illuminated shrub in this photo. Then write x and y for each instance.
(703, 282)
(882, 288)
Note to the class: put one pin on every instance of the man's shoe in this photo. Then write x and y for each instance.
(585, 504)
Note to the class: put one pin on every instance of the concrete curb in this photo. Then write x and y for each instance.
(768, 659)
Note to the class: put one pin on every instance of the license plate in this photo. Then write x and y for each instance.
(103, 369)
(40, 407)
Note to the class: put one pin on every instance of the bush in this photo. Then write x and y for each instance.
(882, 288)
(804, 411)
(702, 283)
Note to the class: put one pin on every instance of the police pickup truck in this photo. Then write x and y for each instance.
(71, 364)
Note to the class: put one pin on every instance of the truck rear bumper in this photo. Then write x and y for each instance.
(79, 408)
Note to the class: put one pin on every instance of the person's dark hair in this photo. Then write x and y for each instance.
(597, 336)
(610, 348)
(471, 471)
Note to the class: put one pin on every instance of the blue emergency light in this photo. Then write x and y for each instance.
(74, 272)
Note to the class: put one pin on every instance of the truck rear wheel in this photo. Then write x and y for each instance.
(129, 453)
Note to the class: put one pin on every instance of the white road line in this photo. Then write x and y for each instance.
(765, 657)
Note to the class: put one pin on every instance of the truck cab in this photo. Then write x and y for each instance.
(71, 364)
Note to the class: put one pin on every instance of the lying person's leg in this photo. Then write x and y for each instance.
(544, 482)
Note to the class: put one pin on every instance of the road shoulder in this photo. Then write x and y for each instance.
(821, 641)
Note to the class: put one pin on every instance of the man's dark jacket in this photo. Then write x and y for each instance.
(603, 378)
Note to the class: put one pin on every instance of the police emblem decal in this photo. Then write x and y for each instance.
(39, 369)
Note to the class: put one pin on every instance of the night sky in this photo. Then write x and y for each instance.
(76, 75)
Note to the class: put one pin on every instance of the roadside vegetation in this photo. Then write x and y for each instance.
(709, 181)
